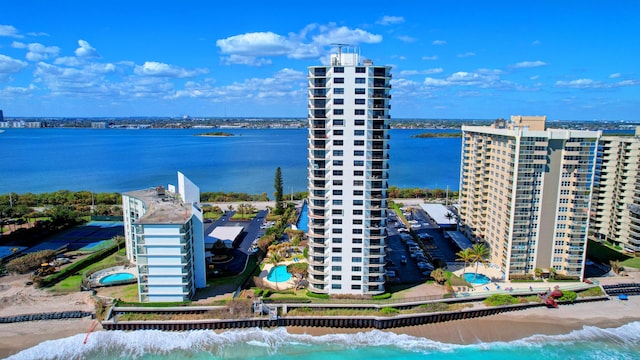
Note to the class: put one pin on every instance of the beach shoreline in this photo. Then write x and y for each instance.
(497, 328)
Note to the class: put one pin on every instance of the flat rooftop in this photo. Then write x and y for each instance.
(161, 209)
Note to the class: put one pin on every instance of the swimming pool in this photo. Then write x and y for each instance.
(278, 274)
(303, 220)
(110, 279)
(476, 279)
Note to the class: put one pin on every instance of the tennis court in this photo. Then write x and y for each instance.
(90, 237)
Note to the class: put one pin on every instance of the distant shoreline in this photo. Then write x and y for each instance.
(430, 135)
(215, 134)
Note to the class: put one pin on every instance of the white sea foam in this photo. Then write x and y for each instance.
(253, 342)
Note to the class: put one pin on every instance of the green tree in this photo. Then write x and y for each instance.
(279, 196)
(466, 256)
(274, 258)
(480, 254)
(439, 276)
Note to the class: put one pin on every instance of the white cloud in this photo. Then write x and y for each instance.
(389, 20)
(535, 77)
(529, 64)
(467, 54)
(153, 68)
(37, 51)
(309, 43)
(481, 78)
(438, 42)
(434, 57)
(615, 76)
(592, 84)
(37, 34)
(17, 90)
(244, 60)
(536, 42)
(9, 31)
(86, 50)
(9, 65)
(420, 72)
(68, 61)
(406, 39)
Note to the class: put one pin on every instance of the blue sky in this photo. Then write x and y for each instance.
(451, 59)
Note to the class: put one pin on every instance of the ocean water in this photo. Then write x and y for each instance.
(106, 160)
(588, 343)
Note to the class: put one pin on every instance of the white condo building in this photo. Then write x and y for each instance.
(525, 192)
(165, 239)
(615, 208)
(348, 173)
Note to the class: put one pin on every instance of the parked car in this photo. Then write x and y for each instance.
(403, 259)
(391, 273)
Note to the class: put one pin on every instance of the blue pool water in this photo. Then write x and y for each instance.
(278, 274)
(303, 220)
(116, 277)
(476, 279)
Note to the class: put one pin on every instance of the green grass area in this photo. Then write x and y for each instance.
(605, 252)
(633, 262)
(238, 216)
(72, 283)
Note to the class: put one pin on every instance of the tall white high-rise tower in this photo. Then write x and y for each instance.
(348, 174)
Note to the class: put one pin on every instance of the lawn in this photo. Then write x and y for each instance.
(72, 283)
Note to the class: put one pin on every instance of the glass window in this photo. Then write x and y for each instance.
(339, 122)
(336, 268)
(355, 287)
(361, 70)
(360, 91)
(338, 111)
(338, 80)
(336, 258)
(334, 286)
(338, 91)
(358, 111)
(338, 152)
(338, 101)
(361, 80)
(338, 69)
(361, 101)
(358, 163)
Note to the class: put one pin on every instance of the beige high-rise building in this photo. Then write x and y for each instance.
(525, 192)
(615, 208)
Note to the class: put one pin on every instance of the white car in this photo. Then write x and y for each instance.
(391, 273)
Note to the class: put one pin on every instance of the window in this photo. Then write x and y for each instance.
(358, 152)
(356, 259)
(338, 163)
(337, 231)
(358, 183)
(337, 192)
(357, 212)
(358, 173)
(361, 70)
(357, 221)
(338, 122)
(338, 142)
(359, 122)
(357, 231)
(355, 287)
(338, 132)
(336, 258)
(337, 182)
(336, 286)
(338, 111)
(359, 133)
(358, 142)
(338, 80)
(338, 152)
(356, 268)
(360, 91)
(338, 69)
(336, 202)
(356, 277)
(357, 202)
(336, 268)
(357, 250)
(338, 91)
(361, 101)
(358, 192)
(358, 163)
(337, 250)
(336, 240)
(337, 221)
(357, 241)
(336, 277)
(336, 211)
(358, 112)
(361, 81)
(337, 172)
(338, 101)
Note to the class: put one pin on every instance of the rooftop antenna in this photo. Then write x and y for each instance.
(339, 46)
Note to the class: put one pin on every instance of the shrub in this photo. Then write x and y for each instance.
(500, 299)
(389, 311)
(527, 277)
(569, 296)
(381, 296)
(29, 262)
(257, 291)
(594, 291)
(317, 296)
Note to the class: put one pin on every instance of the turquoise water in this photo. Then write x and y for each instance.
(588, 343)
(96, 159)
(476, 279)
(278, 274)
(303, 220)
(116, 277)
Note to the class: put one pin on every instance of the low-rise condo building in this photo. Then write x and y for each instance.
(165, 239)
(525, 192)
(615, 208)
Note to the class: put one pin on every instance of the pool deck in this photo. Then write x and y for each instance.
(289, 284)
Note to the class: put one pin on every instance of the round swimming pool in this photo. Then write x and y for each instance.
(278, 274)
(109, 279)
(476, 279)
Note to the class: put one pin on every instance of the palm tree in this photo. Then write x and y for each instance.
(274, 258)
(479, 255)
(466, 256)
